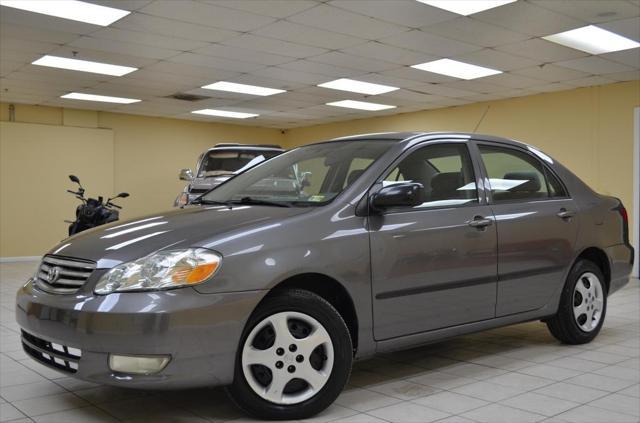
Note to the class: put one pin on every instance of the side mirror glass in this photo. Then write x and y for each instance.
(305, 179)
(408, 194)
(185, 175)
(74, 178)
(122, 195)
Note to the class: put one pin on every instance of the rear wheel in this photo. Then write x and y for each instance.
(294, 359)
(582, 307)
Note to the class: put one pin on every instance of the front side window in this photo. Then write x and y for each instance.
(307, 176)
(515, 175)
(444, 170)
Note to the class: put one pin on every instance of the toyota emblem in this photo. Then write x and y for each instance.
(53, 274)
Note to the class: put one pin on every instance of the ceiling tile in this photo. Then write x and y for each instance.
(592, 11)
(13, 16)
(243, 54)
(262, 80)
(270, 45)
(541, 50)
(392, 54)
(35, 34)
(360, 63)
(379, 78)
(26, 46)
(475, 32)
(495, 59)
(625, 76)
(130, 48)
(274, 8)
(215, 62)
(406, 97)
(594, 65)
(628, 57)
(416, 75)
(173, 28)
(589, 81)
(409, 13)
(551, 73)
(522, 16)
(207, 15)
(195, 71)
(431, 44)
(320, 68)
(555, 86)
(9, 66)
(339, 20)
(477, 86)
(629, 28)
(154, 40)
(281, 73)
(302, 34)
(445, 91)
(512, 81)
(122, 4)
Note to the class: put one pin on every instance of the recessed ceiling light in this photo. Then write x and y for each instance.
(224, 113)
(83, 65)
(466, 7)
(70, 9)
(102, 98)
(242, 88)
(345, 84)
(592, 39)
(456, 69)
(361, 105)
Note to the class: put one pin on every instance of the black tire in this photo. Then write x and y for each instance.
(308, 303)
(563, 325)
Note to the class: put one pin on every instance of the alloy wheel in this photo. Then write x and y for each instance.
(588, 301)
(287, 358)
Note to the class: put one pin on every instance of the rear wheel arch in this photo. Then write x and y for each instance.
(330, 290)
(598, 257)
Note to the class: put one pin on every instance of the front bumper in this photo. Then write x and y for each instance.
(201, 332)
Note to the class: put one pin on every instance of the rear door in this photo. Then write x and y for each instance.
(431, 266)
(536, 227)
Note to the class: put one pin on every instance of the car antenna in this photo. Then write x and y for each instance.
(482, 118)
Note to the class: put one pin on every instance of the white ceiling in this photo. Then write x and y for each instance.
(294, 45)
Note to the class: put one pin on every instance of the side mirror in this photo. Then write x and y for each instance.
(185, 175)
(408, 194)
(74, 178)
(305, 179)
(122, 195)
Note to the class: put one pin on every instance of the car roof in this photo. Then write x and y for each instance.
(412, 135)
(249, 147)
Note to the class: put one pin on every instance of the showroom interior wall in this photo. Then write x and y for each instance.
(588, 129)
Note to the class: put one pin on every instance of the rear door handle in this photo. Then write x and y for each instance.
(479, 222)
(566, 214)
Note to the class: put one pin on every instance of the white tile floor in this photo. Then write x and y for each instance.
(513, 374)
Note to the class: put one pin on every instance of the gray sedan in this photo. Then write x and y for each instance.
(394, 240)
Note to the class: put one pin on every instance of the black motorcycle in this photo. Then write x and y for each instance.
(92, 212)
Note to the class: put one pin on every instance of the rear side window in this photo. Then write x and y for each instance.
(516, 175)
(444, 170)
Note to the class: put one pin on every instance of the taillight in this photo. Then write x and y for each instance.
(624, 214)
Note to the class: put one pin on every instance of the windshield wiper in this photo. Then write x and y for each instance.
(205, 201)
(259, 202)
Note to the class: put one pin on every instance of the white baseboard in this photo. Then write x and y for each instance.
(17, 259)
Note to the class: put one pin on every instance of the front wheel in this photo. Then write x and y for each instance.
(294, 358)
(583, 305)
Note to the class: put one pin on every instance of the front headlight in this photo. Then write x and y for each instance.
(163, 270)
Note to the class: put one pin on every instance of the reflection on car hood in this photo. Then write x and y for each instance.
(110, 245)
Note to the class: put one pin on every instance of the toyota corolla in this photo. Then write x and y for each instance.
(392, 240)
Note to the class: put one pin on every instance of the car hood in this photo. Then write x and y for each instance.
(202, 184)
(124, 241)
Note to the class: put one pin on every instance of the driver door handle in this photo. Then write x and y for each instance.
(566, 214)
(479, 222)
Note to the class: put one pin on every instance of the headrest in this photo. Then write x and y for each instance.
(532, 184)
(447, 181)
(355, 174)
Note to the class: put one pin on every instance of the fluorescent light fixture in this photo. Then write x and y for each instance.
(224, 113)
(362, 105)
(242, 88)
(102, 98)
(592, 39)
(466, 7)
(70, 9)
(83, 65)
(345, 84)
(456, 69)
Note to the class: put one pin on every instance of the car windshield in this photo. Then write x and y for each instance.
(307, 176)
(224, 162)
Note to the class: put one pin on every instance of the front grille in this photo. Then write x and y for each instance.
(51, 354)
(62, 275)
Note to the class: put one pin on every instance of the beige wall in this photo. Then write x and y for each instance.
(590, 130)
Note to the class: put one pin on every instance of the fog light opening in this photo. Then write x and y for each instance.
(138, 364)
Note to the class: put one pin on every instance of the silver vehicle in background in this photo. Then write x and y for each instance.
(220, 163)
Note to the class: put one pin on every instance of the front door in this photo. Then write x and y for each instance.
(536, 226)
(433, 265)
